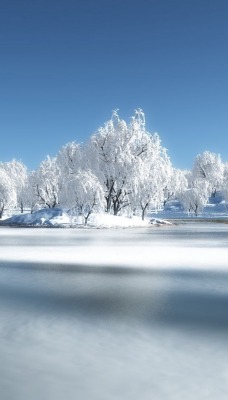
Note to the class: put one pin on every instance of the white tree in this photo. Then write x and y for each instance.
(117, 151)
(19, 175)
(209, 167)
(8, 195)
(69, 158)
(83, 194)
(46, 183)
(176, 183)
(32, 200)
(151, 175)
(109, 154)
(224, 188)
(195, 198)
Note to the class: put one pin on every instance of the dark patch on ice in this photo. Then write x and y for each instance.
(132, 295)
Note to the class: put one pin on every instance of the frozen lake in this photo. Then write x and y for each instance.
(138, 314)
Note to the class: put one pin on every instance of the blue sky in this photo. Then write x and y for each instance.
(65, 65)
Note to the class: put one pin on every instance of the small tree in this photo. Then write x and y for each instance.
(147, 187)
(176, 183)
(109, 154)
(195, 198)
(151, 171)
(69, 159)
(209, 167)
(46, 183)
(8, 195)
(19, 176)
(83, 194)
(224, 188)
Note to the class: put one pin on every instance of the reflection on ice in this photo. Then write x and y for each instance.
(104, 330)
(198, 246)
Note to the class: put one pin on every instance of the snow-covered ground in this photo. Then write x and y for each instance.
(215, 209)
(114, 313)
(58, 217)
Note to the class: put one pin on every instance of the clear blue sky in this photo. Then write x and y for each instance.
(65, 65)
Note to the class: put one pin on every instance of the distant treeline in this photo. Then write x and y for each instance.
(122, 168)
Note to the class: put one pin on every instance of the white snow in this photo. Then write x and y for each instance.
(58, 217)
(61, 217)
(216, 209)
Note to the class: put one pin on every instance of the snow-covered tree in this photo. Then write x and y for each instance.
(224, 188)
(109, 154)
(83, 194)
(176, 183)
(204, 179)
(209, 167)
(118, 152)
(8, 195)
(32, 200)
(195, 198)
(69, 158)
(46, 183)
(151, 175)
(121, 167)
(19, 175)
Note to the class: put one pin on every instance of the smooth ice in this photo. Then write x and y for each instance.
(114, 314)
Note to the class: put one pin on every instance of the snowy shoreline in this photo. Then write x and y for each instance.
(60, 219)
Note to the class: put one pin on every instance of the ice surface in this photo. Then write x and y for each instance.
(114, 314)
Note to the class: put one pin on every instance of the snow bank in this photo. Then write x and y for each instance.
(44, 217)
(58, 217)
(216, 208)
(112, 221)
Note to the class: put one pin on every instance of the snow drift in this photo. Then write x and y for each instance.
(60, 218)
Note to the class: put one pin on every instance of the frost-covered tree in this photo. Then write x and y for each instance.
(83, 194)
(209, 167)
(69, 158)
(224, 188)
(46, 183)
(117, 151)
(8, 195)
(110, 159)
(195, 198)
(151, 175)
(19, 175)
(69, 161)
(204, 179)
(176, 183)
(32, 199)
(121, 167)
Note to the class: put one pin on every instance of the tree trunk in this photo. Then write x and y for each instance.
(1, 211)
(116, 203)
(196, 210)
(115, 207)
(86, 217)
(108, 200)
(144, 210)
